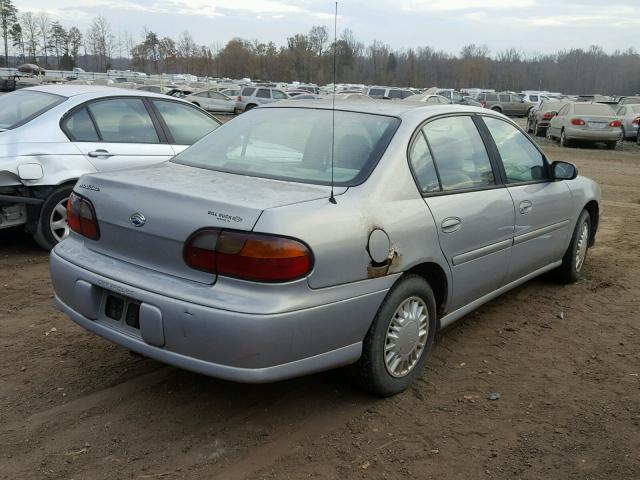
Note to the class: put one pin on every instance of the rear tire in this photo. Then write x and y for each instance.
(574, 258)
(564, 141)
(395, 349)
(52, 224)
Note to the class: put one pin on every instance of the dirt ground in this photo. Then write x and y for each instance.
(564, 359)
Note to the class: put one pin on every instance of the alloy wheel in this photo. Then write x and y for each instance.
(58, 221)
(581, 247)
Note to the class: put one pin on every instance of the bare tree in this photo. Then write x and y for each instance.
(100, 40)
(44, 26)
(31, 34)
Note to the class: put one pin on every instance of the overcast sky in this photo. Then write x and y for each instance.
(528, 25)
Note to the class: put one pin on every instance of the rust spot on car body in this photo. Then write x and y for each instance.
(376, 270)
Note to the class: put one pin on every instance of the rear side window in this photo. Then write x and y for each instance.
(186, 124)
(459, 153)
(19, 107)
(564, 110)
(533, 98)
(80, 127)
(377, 92)
(263, 93)
(522, 161)
(123, 120)
(248, 91)
(505, 98)
(278, 95)
(492, 98)
(422, 164)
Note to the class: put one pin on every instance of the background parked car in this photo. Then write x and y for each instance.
(212, 101)
(51, 135)
(629, 100)
(251, 97)
(591, 122)
(540, 116)
(231, 92)
(31, 69)
(389, 93)
(507, 103)
(429, 99)
(459, 98)
(629, 115)
(534, 98)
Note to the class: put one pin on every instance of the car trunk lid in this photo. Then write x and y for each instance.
(146, 215)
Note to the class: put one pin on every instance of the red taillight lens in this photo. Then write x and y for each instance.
(239, 98)
(548, 115)
(636, 121)
(578, 121)
(616, 123)
(250, 256)
(81, 217)
(483, 103)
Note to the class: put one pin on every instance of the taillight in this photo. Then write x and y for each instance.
(636, 121)
(81, 217)
(483, 103)
(249, 256)
(239, 98)
(548, 116)
(616, 123)
(578, 121)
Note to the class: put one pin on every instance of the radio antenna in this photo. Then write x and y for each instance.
(332, 198)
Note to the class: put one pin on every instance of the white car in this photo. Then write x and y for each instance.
(212, 101)
(51, 135)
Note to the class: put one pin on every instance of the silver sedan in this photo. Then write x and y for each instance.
(629, 115)
(279, 245)
(587, 122)
(51, 135)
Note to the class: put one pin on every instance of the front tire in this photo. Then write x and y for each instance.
(574, 258)
(395, 350)
(52, 226)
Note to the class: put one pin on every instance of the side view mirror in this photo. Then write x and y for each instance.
(563, 171)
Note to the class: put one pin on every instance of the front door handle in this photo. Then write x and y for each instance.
(100, 153)
(451, 224)
(525, 206)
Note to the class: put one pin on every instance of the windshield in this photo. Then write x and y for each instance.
(295, 144)
(19, 107)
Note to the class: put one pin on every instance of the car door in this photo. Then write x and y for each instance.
(507, 105)
(117, 133)
(185, 124)
(542, 206)
(473, 212)
(220, 103)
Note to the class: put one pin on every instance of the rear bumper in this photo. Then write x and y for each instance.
(226, 344)
(592, 135)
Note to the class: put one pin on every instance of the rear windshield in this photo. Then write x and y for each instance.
(551, 106)
(294, 144)
(19, 107)
(593, 109)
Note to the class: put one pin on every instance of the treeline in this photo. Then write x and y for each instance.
(310, 57)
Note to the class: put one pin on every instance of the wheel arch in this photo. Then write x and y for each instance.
(437, 279)
(594, 213)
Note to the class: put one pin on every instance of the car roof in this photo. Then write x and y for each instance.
(96, 90)
(379, 107)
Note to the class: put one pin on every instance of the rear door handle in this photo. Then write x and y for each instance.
(525, 206)
(100, 153)
(451, 224)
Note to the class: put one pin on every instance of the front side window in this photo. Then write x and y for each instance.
(395, 94)
(459, 153)
(19, 107)
(202, 94)
(186, 124)
(522, 161)
(217, 96)
(263, 93)
(123, 120)
(423, 166)
(295, 144)
(80, 127)
(278, 95)
(247, 92)
(533, 98)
